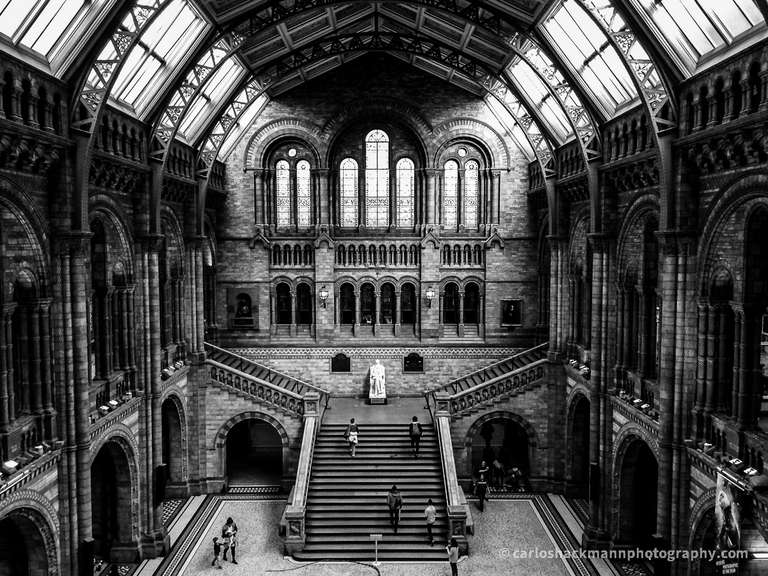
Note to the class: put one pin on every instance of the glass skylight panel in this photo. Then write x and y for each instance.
(693, 28)
(226, 77)
(529, 82)
(246, 119)
(44, 25)
(161, 49)
(507, 123)
(586, 48)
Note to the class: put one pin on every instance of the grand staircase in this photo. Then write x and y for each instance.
(347, 499)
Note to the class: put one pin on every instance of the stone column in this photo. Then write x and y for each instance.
(396, 312)
(259, 205)
(724, 370)
(431, 175)
(323, 204)
(35, 380)
(46, 371)
(461, 314)
(293, 312)
(6, 374)
(23, 377)
(620, 341)
(376, 310)
(358, 304)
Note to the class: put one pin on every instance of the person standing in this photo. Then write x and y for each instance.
(415, 431)
(453, 556)
(430, 514)
(216, 553)
(395, 503)
(498, 473)
(482, 483)
(351, 434)
(229, 535)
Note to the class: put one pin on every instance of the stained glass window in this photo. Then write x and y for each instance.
(471, 193)
(283, 186)
(450, 193)
(405, 192)
(303, 193)
(348, 179)
(376, 179)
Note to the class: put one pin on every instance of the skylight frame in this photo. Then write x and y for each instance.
(177, 31)
(583, 46)
(679, 45)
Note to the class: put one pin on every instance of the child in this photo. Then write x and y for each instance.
(216, 553)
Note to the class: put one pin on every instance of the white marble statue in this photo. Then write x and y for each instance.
(378, 380)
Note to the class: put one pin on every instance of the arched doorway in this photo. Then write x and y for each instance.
(347, 304)
(638, 483)
(471, 304)
(112, 504)
(504, 439)
(22, 547)
(303, 305)
(387, 306)
(408, 304)
(579, 448)
(451, 304)
(173, 454)
(367, 304)
(254, 454)
(283, 304)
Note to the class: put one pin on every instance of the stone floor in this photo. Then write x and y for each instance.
(505, 525)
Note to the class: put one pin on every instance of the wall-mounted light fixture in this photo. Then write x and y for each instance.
(323, 296)
(430, 294)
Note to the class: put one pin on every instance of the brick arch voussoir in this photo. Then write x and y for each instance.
(40, 511)
(476, 131)
(104, 208)
(260, 142)
(640, 208)
(220, 440)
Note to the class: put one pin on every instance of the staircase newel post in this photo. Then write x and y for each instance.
(294, 517)
(458, 510)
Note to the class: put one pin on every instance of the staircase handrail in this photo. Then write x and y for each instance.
(293, 522)
(514, 380)
(459, 515)
(540, 350)
(278, 372)
(294, 398)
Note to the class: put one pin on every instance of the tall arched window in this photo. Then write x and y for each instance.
(376, 179)
(471, 194)
(348, 177)
(283, 185)
(450, 193)
(303, 194)
(405, 192)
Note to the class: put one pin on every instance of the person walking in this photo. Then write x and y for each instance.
(229, 535)
(395, 503)
(453, 556)
(482, 483)
(351, 434)
(430, 514)
(415, 431)
(216, 553)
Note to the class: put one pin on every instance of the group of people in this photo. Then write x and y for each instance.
(352, 435)
(495, 476)
(227, 544)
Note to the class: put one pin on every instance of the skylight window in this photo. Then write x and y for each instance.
(694, 28)
(159, 52)
(507, 123)
(243, 123)
(529, 82)
(45, 26)
(217, 87)
(587, 50)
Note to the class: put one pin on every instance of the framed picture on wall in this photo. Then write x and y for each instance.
(511, 312)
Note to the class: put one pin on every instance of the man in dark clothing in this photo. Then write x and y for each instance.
(414, 431)
(395, 503)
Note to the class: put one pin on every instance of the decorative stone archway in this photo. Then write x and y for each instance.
(28, 536)
(635, 488)
(175, 448)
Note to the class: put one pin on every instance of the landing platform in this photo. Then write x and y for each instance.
(397, 409)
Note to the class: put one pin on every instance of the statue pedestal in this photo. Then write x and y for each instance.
(376, 399)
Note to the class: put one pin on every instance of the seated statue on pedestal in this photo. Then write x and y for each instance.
(377, 381)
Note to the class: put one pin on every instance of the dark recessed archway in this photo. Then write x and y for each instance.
(638, 484)
(578, 452)
(254, 454)
(111, 503)
(173, 448)
(22, 547)
(504, 439)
